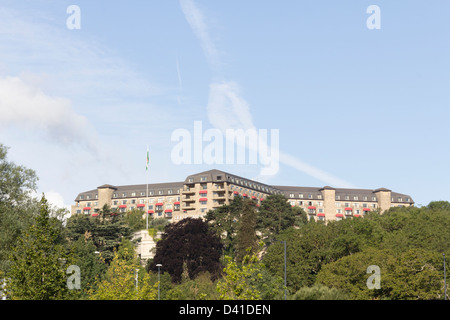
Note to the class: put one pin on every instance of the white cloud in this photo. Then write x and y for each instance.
(27, 106)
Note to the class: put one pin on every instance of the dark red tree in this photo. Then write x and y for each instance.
(188, 245)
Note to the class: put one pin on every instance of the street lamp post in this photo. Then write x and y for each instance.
(285, 264)
(445, 281)
(159, 279)
(285, 285)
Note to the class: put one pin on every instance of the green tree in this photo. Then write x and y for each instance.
(92, 267)
(319, 292)
(106, 230)
(200, 288)
(224, 221)
(17, 206)
(37, 271)
(275, 215)
(246, 238)
(135, 220)
(239, 281)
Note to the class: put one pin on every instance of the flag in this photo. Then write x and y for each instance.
(148, 158)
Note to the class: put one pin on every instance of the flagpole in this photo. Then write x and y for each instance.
(146, 213)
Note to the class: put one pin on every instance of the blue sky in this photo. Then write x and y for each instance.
(353, 106)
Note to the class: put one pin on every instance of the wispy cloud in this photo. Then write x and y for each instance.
(226, 108)
(197, 22)
(75, 64)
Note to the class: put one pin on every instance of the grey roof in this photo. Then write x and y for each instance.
(215, 175)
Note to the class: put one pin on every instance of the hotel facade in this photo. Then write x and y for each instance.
(201, 192)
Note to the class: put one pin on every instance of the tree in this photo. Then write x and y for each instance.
(120, 280)
(239, 282)
(246, 239)
(200, 288)
(188, 245)
(106, 230)
(319, 292)
(275, 215)
(92, 267)
(17, 206)
(135, 220)
(37, 262)
(224, 221)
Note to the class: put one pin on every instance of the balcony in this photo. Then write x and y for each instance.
(189, 200)
(187, 207)
(188, 191)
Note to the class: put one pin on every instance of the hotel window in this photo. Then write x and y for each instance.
(320, 210)
(292, 203)
(150, 207)
(124, 201)
(133, 201)
(78, 211)
(115, 202)
(300, 203)
(203, 202)
(151, 193)
(338, 197)
(202, 178)
(291, 195)
(160, 199)
(142, 193)
(115, 195)
(81, 197)
(365, 198)
(169, 191)
(204, 186)
(310, 203)
(133, 194)
(300, 195)
(88, 197)
(124, 194)
(399, 199)
(374, 198)
(160, 192)
(141, 201)
(407, 199)
(347, 204)
(356, 205)
(319, 196)
(96, 196)
(321, 218)
(338, 204)
(95, 204)
(338, 211)
(364, 205)
(168, 206)
(319, 203)
(374, 205)
(347, 197)
(355, 198)
(310, 196)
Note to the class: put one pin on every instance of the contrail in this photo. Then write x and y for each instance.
(227, 109)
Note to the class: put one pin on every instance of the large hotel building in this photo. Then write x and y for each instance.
(207, 190)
